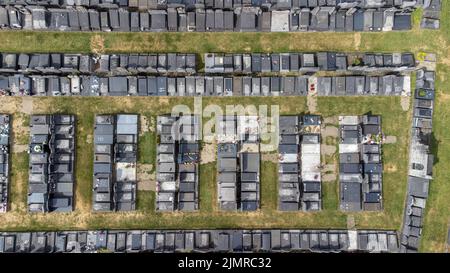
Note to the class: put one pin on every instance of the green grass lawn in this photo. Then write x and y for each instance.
(147, 144)
(395, 122)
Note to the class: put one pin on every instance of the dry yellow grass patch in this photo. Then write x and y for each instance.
(357, 40)
(271, 157)
(97, 44)
(444, 96)
(390, 168)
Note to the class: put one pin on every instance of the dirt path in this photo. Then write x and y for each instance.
(268, 148)
(97, 44)
(27, 105)
(208, 153)
(20, 133)
(9, 104)
(311, 98)
(329, 131)
(311, 102)
(327, 149)
(329, 177)
(329, 134)
(145, 125)
(271, 157)
(390, 140)
(146, 178)
(331, 120)
(351, 224)
(19, 148)
(405, 102)
(329, 173)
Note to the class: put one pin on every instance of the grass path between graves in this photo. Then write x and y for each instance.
(394, 121)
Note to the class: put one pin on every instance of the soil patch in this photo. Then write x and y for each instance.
(272, 157)
(146, 178)
(390, 140)
(330, 131)
(327, 149)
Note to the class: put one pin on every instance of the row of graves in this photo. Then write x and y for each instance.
(197, 19)
(115, 159)
(178, 162)
(360, 163)
(51, 163)
(199, 241)
(238, 163)
(5, 131)
(299, 163)
(421, 160)
(310, 62)
(99, 64)
(189, 86)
